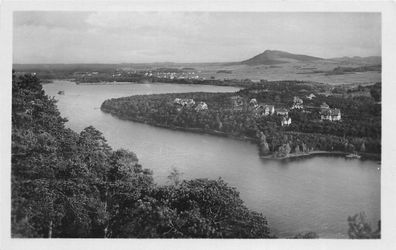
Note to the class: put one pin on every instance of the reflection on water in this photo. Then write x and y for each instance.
(313, 194)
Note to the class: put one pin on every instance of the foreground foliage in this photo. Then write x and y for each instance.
(359, 228)
(68, 184)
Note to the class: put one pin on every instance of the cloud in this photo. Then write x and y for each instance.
(52, 19)
(68, 37)
(148, 22)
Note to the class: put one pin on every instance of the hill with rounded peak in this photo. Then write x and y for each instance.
(270, 57)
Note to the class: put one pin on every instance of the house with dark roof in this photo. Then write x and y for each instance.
(282, 112)
(237, 102)
(264, 110)
(324, 106)
(330, 114)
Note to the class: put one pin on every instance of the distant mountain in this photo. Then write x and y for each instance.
(270, 57)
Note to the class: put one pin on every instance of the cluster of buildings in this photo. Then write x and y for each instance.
(326, 113)
(85, 74)
(261, 109)
(172, 75)
(189, 103)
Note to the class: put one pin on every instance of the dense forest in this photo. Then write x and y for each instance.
(346, 70)
(359, 130)
(74, 185)
(68, 184)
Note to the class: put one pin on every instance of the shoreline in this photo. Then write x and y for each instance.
(192, 130)
(306, 154)
(106, 83)
(292, 156)
(219, 83)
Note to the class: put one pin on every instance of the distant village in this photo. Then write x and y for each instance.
(170, 74)
(173, 75)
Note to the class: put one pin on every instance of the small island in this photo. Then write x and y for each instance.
(286, 119)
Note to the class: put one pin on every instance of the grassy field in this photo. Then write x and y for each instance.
(289, 71)
(292, 70)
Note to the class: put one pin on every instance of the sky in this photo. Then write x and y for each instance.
(145, 37)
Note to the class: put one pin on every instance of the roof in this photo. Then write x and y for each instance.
(331, 112)
(266, 106)
(324, 105)
(282, 110)
(335, 111)
(236, 97)
(297, 99)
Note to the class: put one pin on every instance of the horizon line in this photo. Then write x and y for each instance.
(216, 62)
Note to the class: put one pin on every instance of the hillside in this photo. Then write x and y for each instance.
(270, 57)
(370, 60)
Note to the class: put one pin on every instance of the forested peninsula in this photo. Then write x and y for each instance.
(285, 118)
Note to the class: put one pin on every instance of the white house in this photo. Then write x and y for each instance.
(282, 112)
(286, 121)
(330, 114)
(177, 101)
(253, 103)
(188, 103)
(311, 96)
(201, 106)
(297, 103)
(183, 103)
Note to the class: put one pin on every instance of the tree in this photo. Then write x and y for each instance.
(376, 94)
(363, 147)
(204, 208)
(264, 148)
(175, 177)
(127, 182)
(54, 171)
(359, 228)
(307, 235)
(69, 185)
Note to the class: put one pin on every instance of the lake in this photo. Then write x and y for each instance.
(315, 194)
